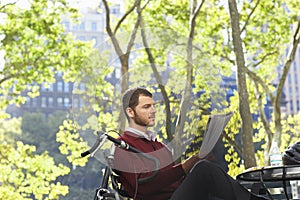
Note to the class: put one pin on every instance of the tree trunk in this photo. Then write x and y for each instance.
(285, 70)
(244, 109)
(123, 57)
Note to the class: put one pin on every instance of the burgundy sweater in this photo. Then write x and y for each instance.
(131, 167)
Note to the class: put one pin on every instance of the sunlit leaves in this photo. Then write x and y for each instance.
(233, 160)
(72, 144)
(290, 130)
(36, 47)
(28, 174)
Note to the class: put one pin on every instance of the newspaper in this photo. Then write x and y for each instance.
(214, 128)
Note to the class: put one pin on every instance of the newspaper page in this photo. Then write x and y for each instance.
(214, 128)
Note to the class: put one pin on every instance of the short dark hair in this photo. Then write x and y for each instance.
(131, 98)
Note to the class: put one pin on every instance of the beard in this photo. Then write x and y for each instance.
(139, 120)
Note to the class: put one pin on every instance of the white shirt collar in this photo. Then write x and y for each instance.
(149, 135)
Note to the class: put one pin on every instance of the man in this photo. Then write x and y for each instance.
(170, 181)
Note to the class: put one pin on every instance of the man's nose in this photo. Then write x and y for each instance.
(153, 109)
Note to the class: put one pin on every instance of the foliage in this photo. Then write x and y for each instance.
(41, 132)
(212, 58)
(10, 130)
(97, 113)
(290, 131)
(72, 144)
(29, 175)
(35, 48)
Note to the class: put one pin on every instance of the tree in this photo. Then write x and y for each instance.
(244, 108)
(262, 23)
(276, 96)
(240, 36)
(156, 51)
(122, 56)
(28, 174)
(36, 47)
(164, 43)
(262, 47)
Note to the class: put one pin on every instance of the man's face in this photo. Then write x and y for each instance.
(144, 112)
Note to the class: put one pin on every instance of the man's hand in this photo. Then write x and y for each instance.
(188, 164)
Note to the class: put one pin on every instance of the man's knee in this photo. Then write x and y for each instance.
(203, 165)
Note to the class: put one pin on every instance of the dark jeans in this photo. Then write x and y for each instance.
(208, 181)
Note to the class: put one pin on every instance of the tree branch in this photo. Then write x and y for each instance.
(285, 70)
(258, 79)
(136, 26)
(8, 4)
(125, 16)
(7, 78)
(263, 59)
(109, 31)
(290, 59)
(263, 117)
(232, 142)
(157, 77)
(249, 16)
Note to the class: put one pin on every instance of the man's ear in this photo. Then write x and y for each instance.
(130, 112)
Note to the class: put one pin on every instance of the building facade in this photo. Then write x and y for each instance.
(292, 88)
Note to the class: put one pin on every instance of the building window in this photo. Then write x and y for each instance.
(81, 103)
(66, 102)
(44, 102)
(67, 25)
(289, 78)
(82, 26)
(50, 89)
(59, 86)
(34, 102)
(66, 87)
(75, 27)
(59, 102)
(94, 26)
(50, 102)
(59, 74)
(291, 106)
(115, 9)
(27, 102)
(43, 88)
(81, 86)
(82, 38)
